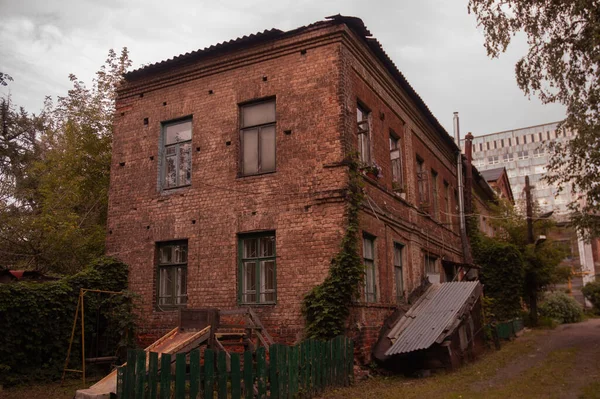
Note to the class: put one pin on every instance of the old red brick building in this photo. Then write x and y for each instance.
(227, 178)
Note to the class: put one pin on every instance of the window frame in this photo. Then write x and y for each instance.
(259, 128)
(435, 195)
(371, 239)
(428, 256)
(363, 128)
(171, 265)
(258, 259)
(422, 183)
(396, 162)
(398, 248)
(447, 201)
(177, 145)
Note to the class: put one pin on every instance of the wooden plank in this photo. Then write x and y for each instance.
(262, 340)
(293, 371)
(130, 374)
(222, 348)
(222, 376)
(236, 386)
(209, 373)
(120, 382)
(165, 376)
(273, 373)
(261, 373)
(284, 376)
(194, 373)
(248, 376)
(180, 376)
(257, 322)
(152, 375)
(301, 369)
(350, 360)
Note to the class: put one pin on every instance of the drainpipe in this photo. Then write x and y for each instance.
(469, 174)
(461, 194)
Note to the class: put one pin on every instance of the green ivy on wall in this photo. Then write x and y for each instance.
(327, 306)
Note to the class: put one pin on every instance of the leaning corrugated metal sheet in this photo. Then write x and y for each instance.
(433, 317)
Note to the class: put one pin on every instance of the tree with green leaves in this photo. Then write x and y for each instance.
(541, 259)
(54, 218)
(562, 66)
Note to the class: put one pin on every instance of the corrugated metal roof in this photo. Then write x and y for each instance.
(431, 318)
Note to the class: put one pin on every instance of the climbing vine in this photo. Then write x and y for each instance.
(327, 306)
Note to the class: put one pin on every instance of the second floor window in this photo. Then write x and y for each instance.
(396, 161)
(447, 202)
(257, 137)
(177, 154)
(422, 189)
(434, 194)
(364, 140)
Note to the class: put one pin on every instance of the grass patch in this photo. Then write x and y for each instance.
(45, 390)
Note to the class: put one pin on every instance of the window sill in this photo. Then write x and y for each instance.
(171, 190)
(241, 176)
(263, 304)
(169, 308)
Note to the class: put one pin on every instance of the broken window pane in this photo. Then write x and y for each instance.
(185, 164)
(170, 171)
(267, 149)
(258, 114)
(177, 161)
(267, 246)
(250, 151)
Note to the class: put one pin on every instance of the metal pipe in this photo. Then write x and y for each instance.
(461, 194)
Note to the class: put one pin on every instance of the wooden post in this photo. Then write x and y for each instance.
(82, 336)
(236, 386)
(165, 376)
(194, 373)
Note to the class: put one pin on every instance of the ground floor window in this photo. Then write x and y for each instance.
(432, 270)
(257, 268)
(172, 273)
(370, 270)
(398, 272)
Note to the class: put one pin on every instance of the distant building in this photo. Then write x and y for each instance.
(523, 152)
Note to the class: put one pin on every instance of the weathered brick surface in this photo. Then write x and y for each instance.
(316, 95)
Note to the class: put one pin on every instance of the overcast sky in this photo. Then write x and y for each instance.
(435, 43)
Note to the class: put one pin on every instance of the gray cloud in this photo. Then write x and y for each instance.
(435, 44)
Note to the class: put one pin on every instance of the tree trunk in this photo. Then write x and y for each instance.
(533, 309)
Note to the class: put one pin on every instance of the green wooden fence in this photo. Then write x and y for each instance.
(300, 371)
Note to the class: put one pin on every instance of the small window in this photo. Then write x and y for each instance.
(488, 145)
(396, 159)
(370, 270)
(172, 273)
(480, 146)
(398, 272)
(422, 184)
(502, 143)
(176, 165)
(540, 136)
(432, 270)
(517, 140)
(525, 139)
(532, 138)
(548, 135)
(434, 194)
(257, 268)
(257, 138)
(495, 144)
(447, 202)
(363, 131)
(510, 142)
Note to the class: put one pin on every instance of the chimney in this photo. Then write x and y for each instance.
(469, 174)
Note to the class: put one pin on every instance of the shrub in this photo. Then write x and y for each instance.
(592, 292)
(36, 321)
(561, 307)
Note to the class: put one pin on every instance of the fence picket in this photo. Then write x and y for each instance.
(273, 372)
(236, 387)
(130, 375)
(194, 373)
(209, 373)
(222, 376)
(261, 373)
(293, 371)
(152, 374)
(120, 382)
(165, 376)
(248, 376)
(180, 376)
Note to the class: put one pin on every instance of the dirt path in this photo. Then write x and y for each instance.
(560, 363)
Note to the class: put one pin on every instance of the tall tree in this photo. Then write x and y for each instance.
(55, 218)
(562, 65)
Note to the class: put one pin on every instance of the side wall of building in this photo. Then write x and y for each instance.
(388, 217)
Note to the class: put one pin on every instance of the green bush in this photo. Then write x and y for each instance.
(36, 321)
(592, 292)
(561, 307)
